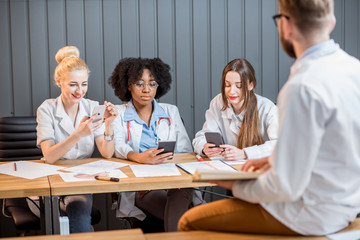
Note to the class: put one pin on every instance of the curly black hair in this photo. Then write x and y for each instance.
(130, 70)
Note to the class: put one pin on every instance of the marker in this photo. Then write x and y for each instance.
(199, 158)
(112, 179)
(15, 168)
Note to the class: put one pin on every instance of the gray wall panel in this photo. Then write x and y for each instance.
(351, 25)
(74, 11)
(38, 53)
(269, 56)
(184, 63)
(218, 43)
(166, 42)
(56, 38)
(201, 58)
(338, 32)
(112, 44)
(147, 29)
(6, 89)
(130, 28)
(236, 29)
(253, 36)
(20, 58)
(94, 49)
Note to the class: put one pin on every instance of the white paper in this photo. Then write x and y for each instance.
(78, 176)
(234, 162)
(350, 235)
(29, 170)
(159, 170)
(96, 167)
(216, 165)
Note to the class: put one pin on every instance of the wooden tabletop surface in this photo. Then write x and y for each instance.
(15, 187)
(132, 183)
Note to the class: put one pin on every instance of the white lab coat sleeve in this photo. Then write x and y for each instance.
(271, 125)
(120, 134)
(213, 121)
(301, 129)
(44, 128)
(183, 143)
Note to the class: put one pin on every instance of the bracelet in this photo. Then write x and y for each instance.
(108, 138)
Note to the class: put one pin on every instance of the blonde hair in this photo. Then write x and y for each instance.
(69, 60)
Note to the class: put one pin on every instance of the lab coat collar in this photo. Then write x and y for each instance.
(65, 121)
(315, 52)
(131, 114)
(235, 120)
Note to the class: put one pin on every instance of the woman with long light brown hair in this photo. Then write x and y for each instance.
(247, 122)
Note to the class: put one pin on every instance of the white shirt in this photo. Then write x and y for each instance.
(228, 125)
(54, 123)
(313, 186)
(171, 129)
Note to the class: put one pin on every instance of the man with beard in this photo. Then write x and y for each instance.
(311, 186)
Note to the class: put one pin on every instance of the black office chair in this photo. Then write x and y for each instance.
(18, 142)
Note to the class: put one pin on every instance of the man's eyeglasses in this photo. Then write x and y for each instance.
(277, 17)
(140, 85)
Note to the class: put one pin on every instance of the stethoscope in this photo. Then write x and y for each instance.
(158, 122)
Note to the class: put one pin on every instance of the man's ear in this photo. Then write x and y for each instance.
(333, 23)
(288, 28)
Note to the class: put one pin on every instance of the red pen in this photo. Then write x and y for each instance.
(199, 158)
(15, 169)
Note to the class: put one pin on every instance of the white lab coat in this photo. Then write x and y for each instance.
(228, 125)
(54, 123)
(165, 132)
(313, 186)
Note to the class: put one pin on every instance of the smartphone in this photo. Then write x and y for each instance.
(98, 113)
(168, 146)
(214, 137)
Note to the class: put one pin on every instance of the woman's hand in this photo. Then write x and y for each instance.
(110, 113)
(211, 151)
(87, 127)
(261, 164)
(232, 152)
(150, 156)
(227, 184)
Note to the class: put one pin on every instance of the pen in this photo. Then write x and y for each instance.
(15, 168)
(112, 179)
(199, 158)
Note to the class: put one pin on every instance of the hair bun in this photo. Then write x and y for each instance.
(67, 52)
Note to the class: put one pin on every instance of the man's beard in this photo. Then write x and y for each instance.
(287, 46)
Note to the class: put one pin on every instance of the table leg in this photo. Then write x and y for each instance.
(46, 216)
(55, 214)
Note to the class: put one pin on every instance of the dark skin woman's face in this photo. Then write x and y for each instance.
(144, 90)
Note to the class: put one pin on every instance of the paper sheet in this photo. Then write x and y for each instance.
(96, 167)
(351, 235)
(216, 164)
(29, 170)
(159, 170)
(78, 176)
(229, 162)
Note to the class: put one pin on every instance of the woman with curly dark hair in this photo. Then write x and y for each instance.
(140, 125)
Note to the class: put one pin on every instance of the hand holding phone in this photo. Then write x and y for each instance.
(168, 146)
(98, 113)
(214, 138)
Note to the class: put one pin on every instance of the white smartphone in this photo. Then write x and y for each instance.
(98, 113)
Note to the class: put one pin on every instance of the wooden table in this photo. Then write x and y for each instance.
(128, 234)
(59, 187)
(15, 187)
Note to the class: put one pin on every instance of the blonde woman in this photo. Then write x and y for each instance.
(65, 129)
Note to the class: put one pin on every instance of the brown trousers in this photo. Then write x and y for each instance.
(232, 215)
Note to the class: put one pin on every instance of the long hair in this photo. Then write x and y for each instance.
(249, 134)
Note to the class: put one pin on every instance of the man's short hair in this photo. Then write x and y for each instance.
(308, 15)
